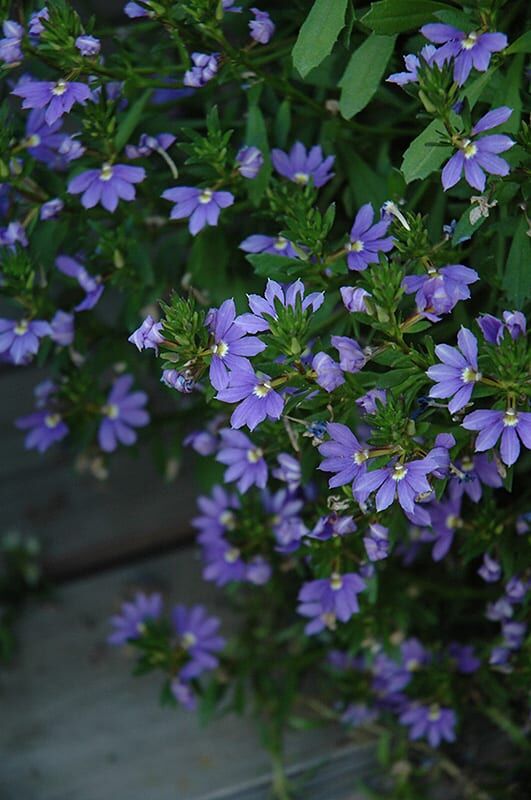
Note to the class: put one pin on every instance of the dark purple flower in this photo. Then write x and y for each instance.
(438, 291)
(300, 166)
(354, 298)
(413, 64)
(20, 340)
(275, 295)
(405, 480)
(458, 373)
(473, 473)
(367, 240)
(62, 325)
(343, 454)
(57, 97)
(328, 374)
(327, 600)
(202, 206)
(276, 246)
(129, 624)
(107, 186)
(490, 570)
(245, 461)
(10, 50)
(480, 156)
(493, 329)
(468, 50)
(205, 67)
(249, 161)
(368, 402)
(180, 381)
(465, 659)
(513, 426)
(148, 336)
(92, 285)
(46, 426)
(122, 413)
(262, 26)
(258, 398)
(433, 723)
(376, 542)
(150, 144)
(51, 209)
(88, 45)
(351, 356)
(197, 634)
(231, 347)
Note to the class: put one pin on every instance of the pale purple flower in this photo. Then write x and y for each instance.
(438, 291)
(182, 692)
(445, 517)
(493, 329)
(107, 186)
(274, 295)
(197, 634)
(369, 402)
(19, 340)
(91, 285)
(490, 570)
(328, 373)
(262, 26)
(513, 426)
(88, 45)
(51, 209)
(288, 471)
(332, 525)
(12, 235)
(258, 571)
(300, 166)
(458, 373)
(259, 400)
(500, 610)
(148, 144)
(354, 298)
(367, 240)
(201, 206)
(513, 634)
(231, 347)
(357, 714)
(515, 590)
(228, 5)
(468, 50)
(181, 382)
(205, 67)
(478, 156)
(465, 658)
(148, 336)
(217, 515)
(204, 442)
(499, 657)
(10, 50)
(376, 542)
(223, 563)
(45, 426)
(35, 26)
(413, 63)
(62, 325)
(433, 723)
(343, 455)
(327, 600)
(249, 162)
(137, 11)
(351, 356)
(57, 97)
(47, 144)
(122, 413)
(245, 461)
(274, 245)
(129, 624)
(403, 480)
(475, 471)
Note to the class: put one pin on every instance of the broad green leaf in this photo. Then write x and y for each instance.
(521, 45)
(422, 157)
(516, 280)
(364, 73)
(465, 229)
(456, 18)
(397, 16)
(131, 120)
(277, 267)
(318, 34)
(282, 123)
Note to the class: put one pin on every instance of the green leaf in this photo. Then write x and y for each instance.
(277, 267)
(131, 120)
(397, 16)
(521, 45)
(422, 158)
(516, 278)
(318, 34)
(256, 135)
(364, 73)
(465, 229)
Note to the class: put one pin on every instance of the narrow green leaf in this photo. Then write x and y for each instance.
(465, 229)
(364, 73)
(521, 45)
(516, 281)
(397, 16)
(256, 135)
(131, 120)
(318, 34)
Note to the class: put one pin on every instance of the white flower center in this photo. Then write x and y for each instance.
(453, 521)
(301, 178)
(468, 375)
(21, 327)
(228, 520)
(60, 88)
(52, 420)
(188, 640)
(206, 196)
(336, 582)
(510, 418)
(412, 665)
(111, 410)
(435, 713)
(469, 149)
(261, 390)
(33, 141)
(232, 555)
(470, 41)
(356, 247)
(254, 455)
(220, 349)
(399, 472)
(467, 464)
(329, 620)
(106, 172)
(280, 243)
(360, 456)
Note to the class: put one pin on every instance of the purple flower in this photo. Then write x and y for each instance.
(47, 144)
(182, 692)
(289, 471)
(258, 571)
(10, 50)
(490, 570)
(480, 156)
(12, 235)
(46, 426)
(129, 624)
(440, 289)
(413, 64)
(276, 246)
(228, 5)
(327, 600)
(493, 329)
(499, 657)
(57, 97)
(405, 480)
(148, 336)
(368, 402)
(231, 346)
(91, 285)
(262, 26)
(181, 382)
(500, 610)
(513, 634)
(458, 373)
(354, 298)
(202, 206)
(468, 50)
(433, 723)
(515, 590)
(205, 67)
(367, 240)
(148, 144)
(223, 563)
(475, 471)
(51, 209)
(20, 340)
(197, 634)
(343, 454)
(328, 373)
(300, 166)
(445, 517)
(274, 296)
(351, 356)
(121, 414)
(107, 185)
(465, 659)
(245, 461)
(62, 325)
(217, 515)
(513, 426)
(330, 526)
(249, 161)
(35, 26)
(88, 45)
(376, 542)
(137, 11)
(259, 399)
(357, 714)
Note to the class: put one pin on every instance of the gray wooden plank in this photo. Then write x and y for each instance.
(76, 725)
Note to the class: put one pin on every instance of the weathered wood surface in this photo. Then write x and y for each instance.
(75, 724)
